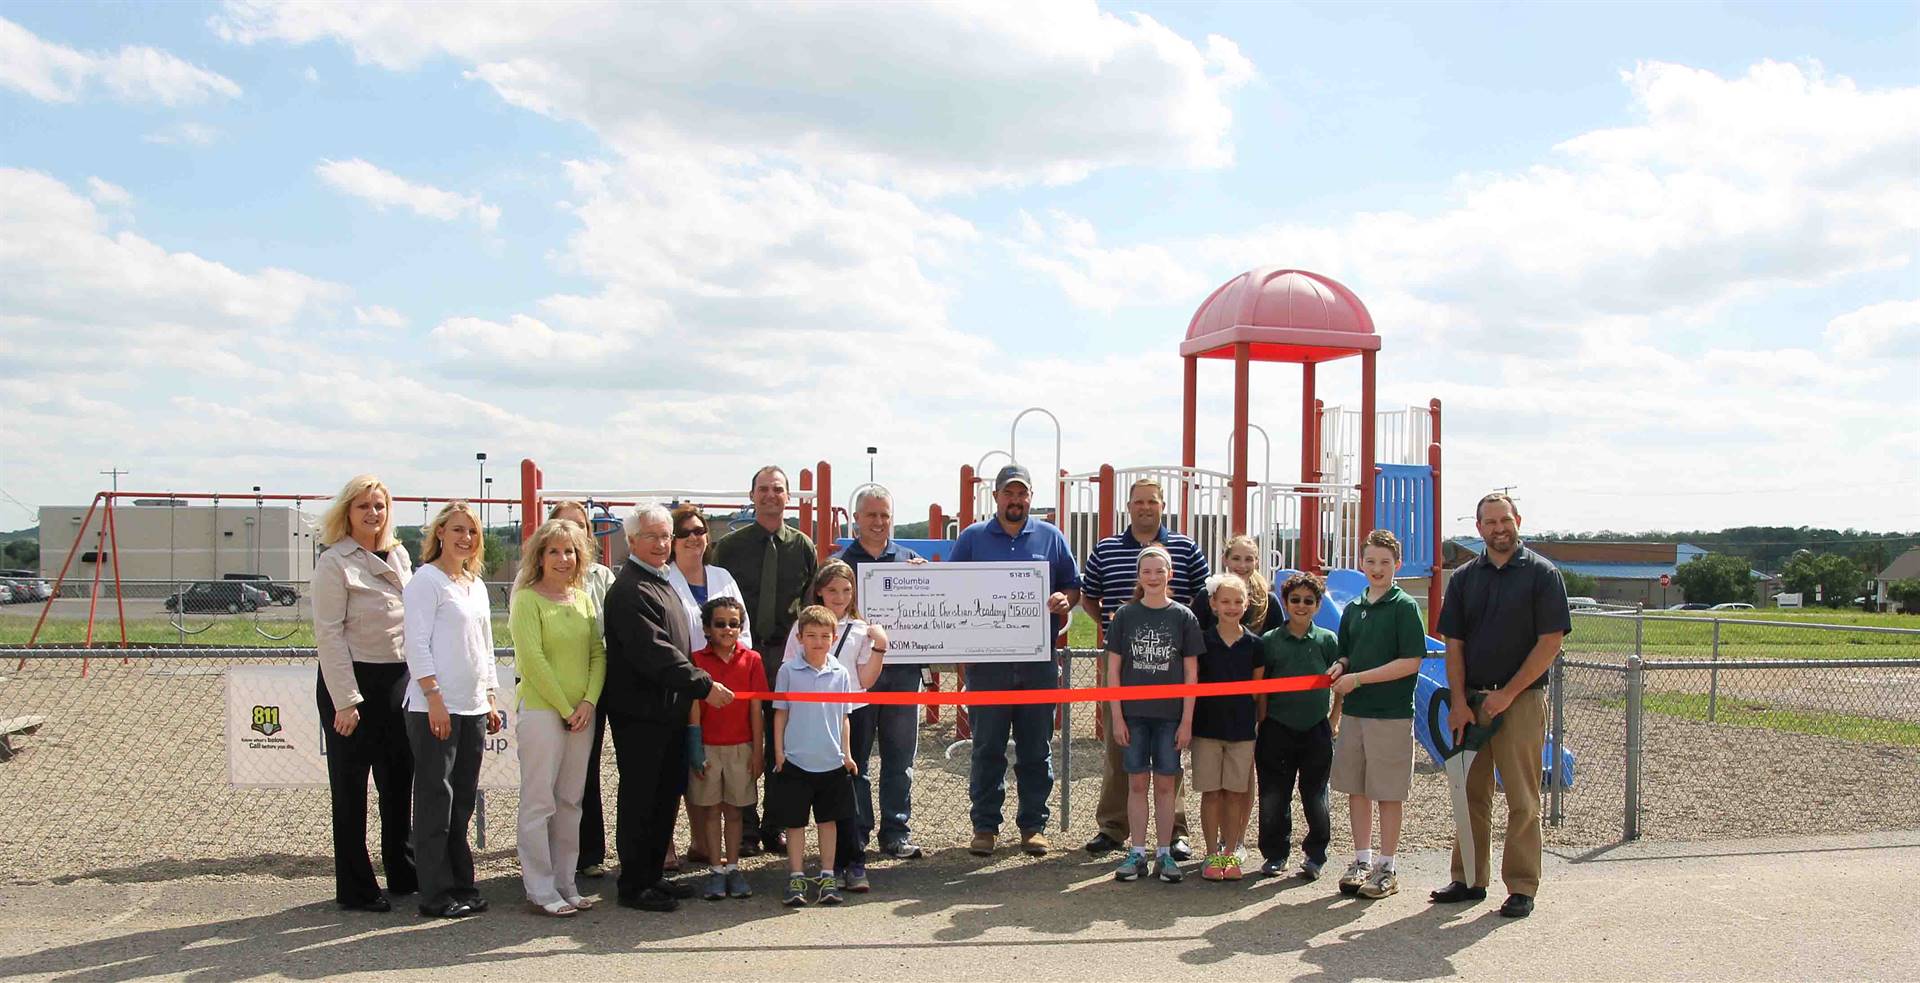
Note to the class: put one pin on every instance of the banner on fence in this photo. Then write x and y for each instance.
(959, 612)
(274, 738)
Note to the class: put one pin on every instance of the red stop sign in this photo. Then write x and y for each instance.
(1666, 580)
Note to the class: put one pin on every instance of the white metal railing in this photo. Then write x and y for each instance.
(1400, 437)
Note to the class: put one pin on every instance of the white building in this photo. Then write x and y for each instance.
(182, 541)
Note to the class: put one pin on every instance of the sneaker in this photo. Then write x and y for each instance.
(737, 884)
(982, 845)
(716, 889)
(904, 850)
(854, 879)
(829, 892)
(1355, 875)
(1273, 868)
(1132, 865)
(1381, 882)
(796, 896)
(1210, 871)
(1182, 850)
(1230, 868)
(1310, 871)
(1034, 844)
(1167, 869)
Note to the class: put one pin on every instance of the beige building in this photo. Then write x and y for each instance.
(187, 541)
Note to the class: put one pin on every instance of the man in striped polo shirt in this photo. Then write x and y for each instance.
(1105, 584)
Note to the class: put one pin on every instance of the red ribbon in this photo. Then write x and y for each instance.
(1018, 697)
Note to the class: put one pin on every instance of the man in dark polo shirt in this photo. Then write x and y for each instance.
(1504, 617)
(897, 728)
(774, 564)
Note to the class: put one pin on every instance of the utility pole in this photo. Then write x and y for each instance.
(116, 473)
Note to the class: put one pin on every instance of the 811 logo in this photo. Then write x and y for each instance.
(266, 720)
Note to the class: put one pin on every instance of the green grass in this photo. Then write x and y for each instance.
(1823, 616)
(1748, 713)
(222, 632)
(1748, 635)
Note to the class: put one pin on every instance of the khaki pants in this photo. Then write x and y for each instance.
(1515, 749)
(1112, 810)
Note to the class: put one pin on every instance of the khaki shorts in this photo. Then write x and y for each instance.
(1373, 757)
(728, 778)
(1221, 766)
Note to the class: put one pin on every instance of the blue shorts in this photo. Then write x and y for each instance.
(1152, 746)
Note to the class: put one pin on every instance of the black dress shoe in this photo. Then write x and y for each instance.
(649, 900)
(1456, 892)
(452, 909)
(674, 889)
(477, 903)
(1517, 906)
(749, 847)
(775, 843)
(1102, 844)
(376, 904)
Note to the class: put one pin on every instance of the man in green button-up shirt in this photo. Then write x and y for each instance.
(773, 563)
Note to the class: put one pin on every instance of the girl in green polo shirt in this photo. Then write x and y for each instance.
(1295, 743)
(1382, 640)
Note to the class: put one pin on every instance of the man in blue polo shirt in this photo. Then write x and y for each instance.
(1011, 534)
(1107, 584)
(896, 727)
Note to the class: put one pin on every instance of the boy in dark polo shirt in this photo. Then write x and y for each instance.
(1296, 730)
(1383, 641)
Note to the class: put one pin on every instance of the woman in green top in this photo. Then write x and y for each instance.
(562, 661)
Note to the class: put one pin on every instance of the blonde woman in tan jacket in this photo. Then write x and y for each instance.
(358, 629)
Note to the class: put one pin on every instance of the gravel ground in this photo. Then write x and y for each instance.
(126, 782)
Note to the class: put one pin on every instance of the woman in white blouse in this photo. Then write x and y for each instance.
(358, 631)
(450, 706)
(695, 582)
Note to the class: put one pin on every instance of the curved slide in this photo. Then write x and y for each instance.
(1345, 585)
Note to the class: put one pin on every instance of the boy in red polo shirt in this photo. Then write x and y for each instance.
(724, 751)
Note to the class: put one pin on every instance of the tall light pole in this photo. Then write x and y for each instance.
(871, 451)
(482, 458)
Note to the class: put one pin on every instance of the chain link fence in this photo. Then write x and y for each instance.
(126, 773)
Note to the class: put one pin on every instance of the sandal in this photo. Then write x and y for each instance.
(558, 909)
(580, 903)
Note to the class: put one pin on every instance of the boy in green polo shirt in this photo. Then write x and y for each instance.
(1295, 742)
(1382, 640)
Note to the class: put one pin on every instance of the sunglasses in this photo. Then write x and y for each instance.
(689, 533)
(735, 625)
(1303, 600)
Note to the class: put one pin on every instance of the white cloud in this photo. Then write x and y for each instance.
(186, 134)
(311, 75)
(1884, 331)
(385, 189)
(380, 317)
(922, 95)
(52, 72)
(107, 193)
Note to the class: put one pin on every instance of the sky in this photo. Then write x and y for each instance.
(1655, 261)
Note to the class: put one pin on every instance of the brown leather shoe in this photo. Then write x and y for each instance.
(1034, 844)
(982, 845)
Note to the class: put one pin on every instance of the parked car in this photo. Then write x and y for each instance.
(6, 594)
(27, 585)
(282, 594)
(1733, 606)
(1582, 603)
(1688, 606)
(218, 595)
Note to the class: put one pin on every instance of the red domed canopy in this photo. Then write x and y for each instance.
(1283, 316)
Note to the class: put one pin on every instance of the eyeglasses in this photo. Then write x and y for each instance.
(689, 533)
(1303, 600)
(735, 625)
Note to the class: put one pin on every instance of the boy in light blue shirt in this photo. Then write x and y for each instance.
(812, 772)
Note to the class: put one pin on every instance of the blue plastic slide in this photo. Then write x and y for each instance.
(1345, 585)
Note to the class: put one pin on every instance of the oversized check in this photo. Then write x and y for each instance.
(959, 612)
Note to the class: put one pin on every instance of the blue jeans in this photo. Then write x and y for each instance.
(1031, 728)
(1152, 746)
(897, 733)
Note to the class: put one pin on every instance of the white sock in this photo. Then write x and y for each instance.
(1363, 857)
(1386, 860)
(717, 869)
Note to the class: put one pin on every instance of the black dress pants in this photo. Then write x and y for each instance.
(593, 820)
(377, 747)
(446, 781)
(652, 758)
